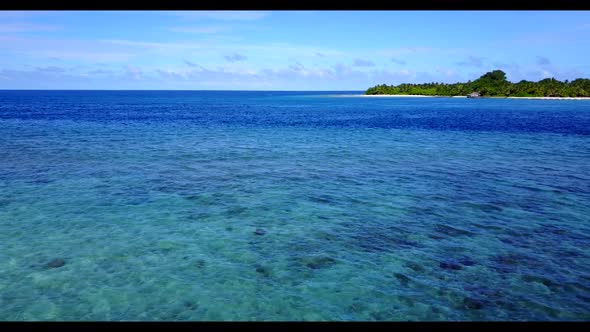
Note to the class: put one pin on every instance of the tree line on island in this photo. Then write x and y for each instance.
(491, 84)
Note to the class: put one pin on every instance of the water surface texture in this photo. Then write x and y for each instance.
(179, 205)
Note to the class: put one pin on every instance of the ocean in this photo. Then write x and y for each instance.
(288, 206)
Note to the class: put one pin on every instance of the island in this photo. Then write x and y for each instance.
(491, 84)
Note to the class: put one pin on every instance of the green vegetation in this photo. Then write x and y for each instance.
(491, 84)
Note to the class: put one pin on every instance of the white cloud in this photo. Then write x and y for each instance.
(51, 69)
(533, 74)
(235, 57)
(278, 50)
(222, 15)
(211, 29)
(541, 60)
(545, 38)
(134, 72)
(398, 61)
(64, 49)
(22, 14)
(546, 74)
(404, 51)
(447, 75)
(295, 76)
(472, 61)
(169, 74)
(191, 64)
(155, 46)
(363, 63)
(25, 27)
(100, 72)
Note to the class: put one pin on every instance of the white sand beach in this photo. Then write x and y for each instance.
(549, 98)
(399, 96)
(394, 96)
(540, 98)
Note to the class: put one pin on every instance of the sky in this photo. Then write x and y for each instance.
(285, 50)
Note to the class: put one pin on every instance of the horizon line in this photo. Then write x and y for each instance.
(179, 90)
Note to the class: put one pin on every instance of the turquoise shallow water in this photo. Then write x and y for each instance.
(370, 209)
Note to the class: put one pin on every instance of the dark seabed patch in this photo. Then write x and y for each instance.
(55, 263)
(318, 262)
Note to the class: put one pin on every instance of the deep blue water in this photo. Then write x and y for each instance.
(236, 205)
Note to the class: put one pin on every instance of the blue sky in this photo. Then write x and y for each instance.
(285, 50)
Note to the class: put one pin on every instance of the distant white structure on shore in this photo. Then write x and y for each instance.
(473, 95)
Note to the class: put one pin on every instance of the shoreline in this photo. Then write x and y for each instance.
(399, 96)
(548, 98)
(412, 96)
(540, 98)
